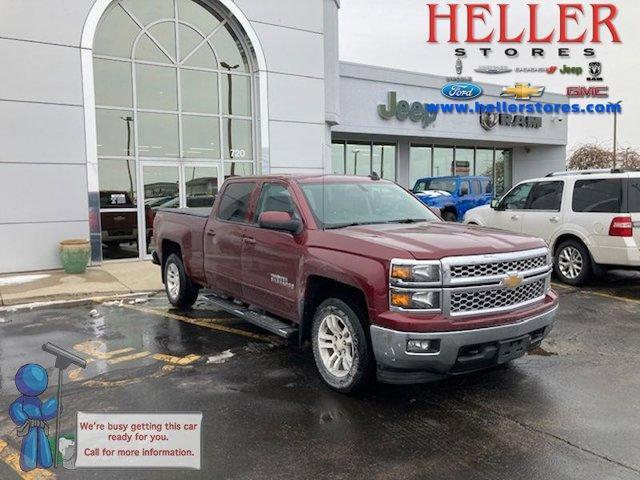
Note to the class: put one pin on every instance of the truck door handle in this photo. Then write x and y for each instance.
(554, 219)
(249, 240)
(211, 233)
(515, 217)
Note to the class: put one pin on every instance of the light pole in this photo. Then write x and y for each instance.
(229, 68)
(616, 106)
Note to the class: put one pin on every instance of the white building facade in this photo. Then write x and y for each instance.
(113, 109)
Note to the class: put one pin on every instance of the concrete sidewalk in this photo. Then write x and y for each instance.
(110, 278)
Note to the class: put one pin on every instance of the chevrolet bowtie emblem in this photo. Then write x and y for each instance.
(522, 91)
(512, 281)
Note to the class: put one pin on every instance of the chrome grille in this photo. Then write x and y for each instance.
(497, 268)
(469, 301)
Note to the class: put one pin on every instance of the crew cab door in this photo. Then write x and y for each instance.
(508, 215)
(271, 259)
(543, 212)
(224, 235)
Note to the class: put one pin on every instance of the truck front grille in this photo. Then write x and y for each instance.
(477, 301)
(497, 268)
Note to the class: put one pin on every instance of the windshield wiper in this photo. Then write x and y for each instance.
(353, 224)
(408, 220)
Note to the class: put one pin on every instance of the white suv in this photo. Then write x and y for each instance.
(590, 219)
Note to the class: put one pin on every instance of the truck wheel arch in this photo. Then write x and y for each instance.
(318, 289)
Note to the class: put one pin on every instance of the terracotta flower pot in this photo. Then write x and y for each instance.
(74, 255)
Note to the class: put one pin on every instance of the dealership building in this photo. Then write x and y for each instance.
(113, 109)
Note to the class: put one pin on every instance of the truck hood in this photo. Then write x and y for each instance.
(431, 241)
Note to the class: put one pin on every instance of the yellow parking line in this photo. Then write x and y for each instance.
(595, 292)
(176, 360)
(98, 349)
(205, 323)
(12, 458)
(128, 358)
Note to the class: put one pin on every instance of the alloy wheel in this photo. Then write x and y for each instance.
(336, 347)
(173, 280)
(570, 262)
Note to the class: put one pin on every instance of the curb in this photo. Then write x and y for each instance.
(34, 303)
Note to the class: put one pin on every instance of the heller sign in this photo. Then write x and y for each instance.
(402, 110)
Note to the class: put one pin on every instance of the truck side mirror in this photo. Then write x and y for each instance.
(279, 221)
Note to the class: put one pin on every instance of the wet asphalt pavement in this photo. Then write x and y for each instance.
(568, 410)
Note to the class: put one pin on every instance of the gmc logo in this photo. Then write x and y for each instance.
(587, 92)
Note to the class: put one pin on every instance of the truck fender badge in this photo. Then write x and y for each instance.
(512, 281)
(281, 280)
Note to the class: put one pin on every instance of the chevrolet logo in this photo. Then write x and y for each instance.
(522, 91)
(512, 281)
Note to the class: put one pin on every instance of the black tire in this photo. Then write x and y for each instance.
(362, 370)
(449, 216)
(181, 291)
(572, 249)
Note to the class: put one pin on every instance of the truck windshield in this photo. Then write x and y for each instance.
(337, 205)
(445, 184)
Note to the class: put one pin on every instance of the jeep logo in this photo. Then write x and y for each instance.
(416, 111)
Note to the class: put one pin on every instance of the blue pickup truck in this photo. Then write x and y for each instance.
(454, 195)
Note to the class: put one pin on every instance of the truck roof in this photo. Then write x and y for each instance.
(310, 178)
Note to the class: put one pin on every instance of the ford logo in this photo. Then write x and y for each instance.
(461, 91)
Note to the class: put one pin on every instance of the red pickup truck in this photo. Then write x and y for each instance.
(378, 283)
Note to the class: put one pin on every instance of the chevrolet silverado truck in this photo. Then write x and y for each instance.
(358, 266)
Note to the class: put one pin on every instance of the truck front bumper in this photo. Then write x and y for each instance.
(455, 352)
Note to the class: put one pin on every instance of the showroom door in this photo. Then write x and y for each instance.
(161, 183)
(173, 185)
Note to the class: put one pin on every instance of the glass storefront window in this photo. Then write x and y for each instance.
(503, 177)
(192, 106)
(337, 158)
(464, 162)
(118, 208)
(113, 84)
(201, 186)
(358, 159)
(199, 91)
(484, 162)
(236, 94)
(161, 190)
(419, 163)
(156, 87)
(115, 132)
(157, 134)
(238, 169)
(237, 139)
(200, 136)
(442, 161)
(383, 161)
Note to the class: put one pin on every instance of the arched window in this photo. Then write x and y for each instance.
(174, 113)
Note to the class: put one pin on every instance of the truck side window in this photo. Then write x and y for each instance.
(516, 199)
(475, 187)
(275, 198)
(634, 195)
(546, 196)
(486, 186)
(234, 205)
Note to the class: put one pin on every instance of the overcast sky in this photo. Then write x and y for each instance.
(393, 33)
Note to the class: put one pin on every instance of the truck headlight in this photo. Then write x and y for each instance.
(403, 299)
(411, 272)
